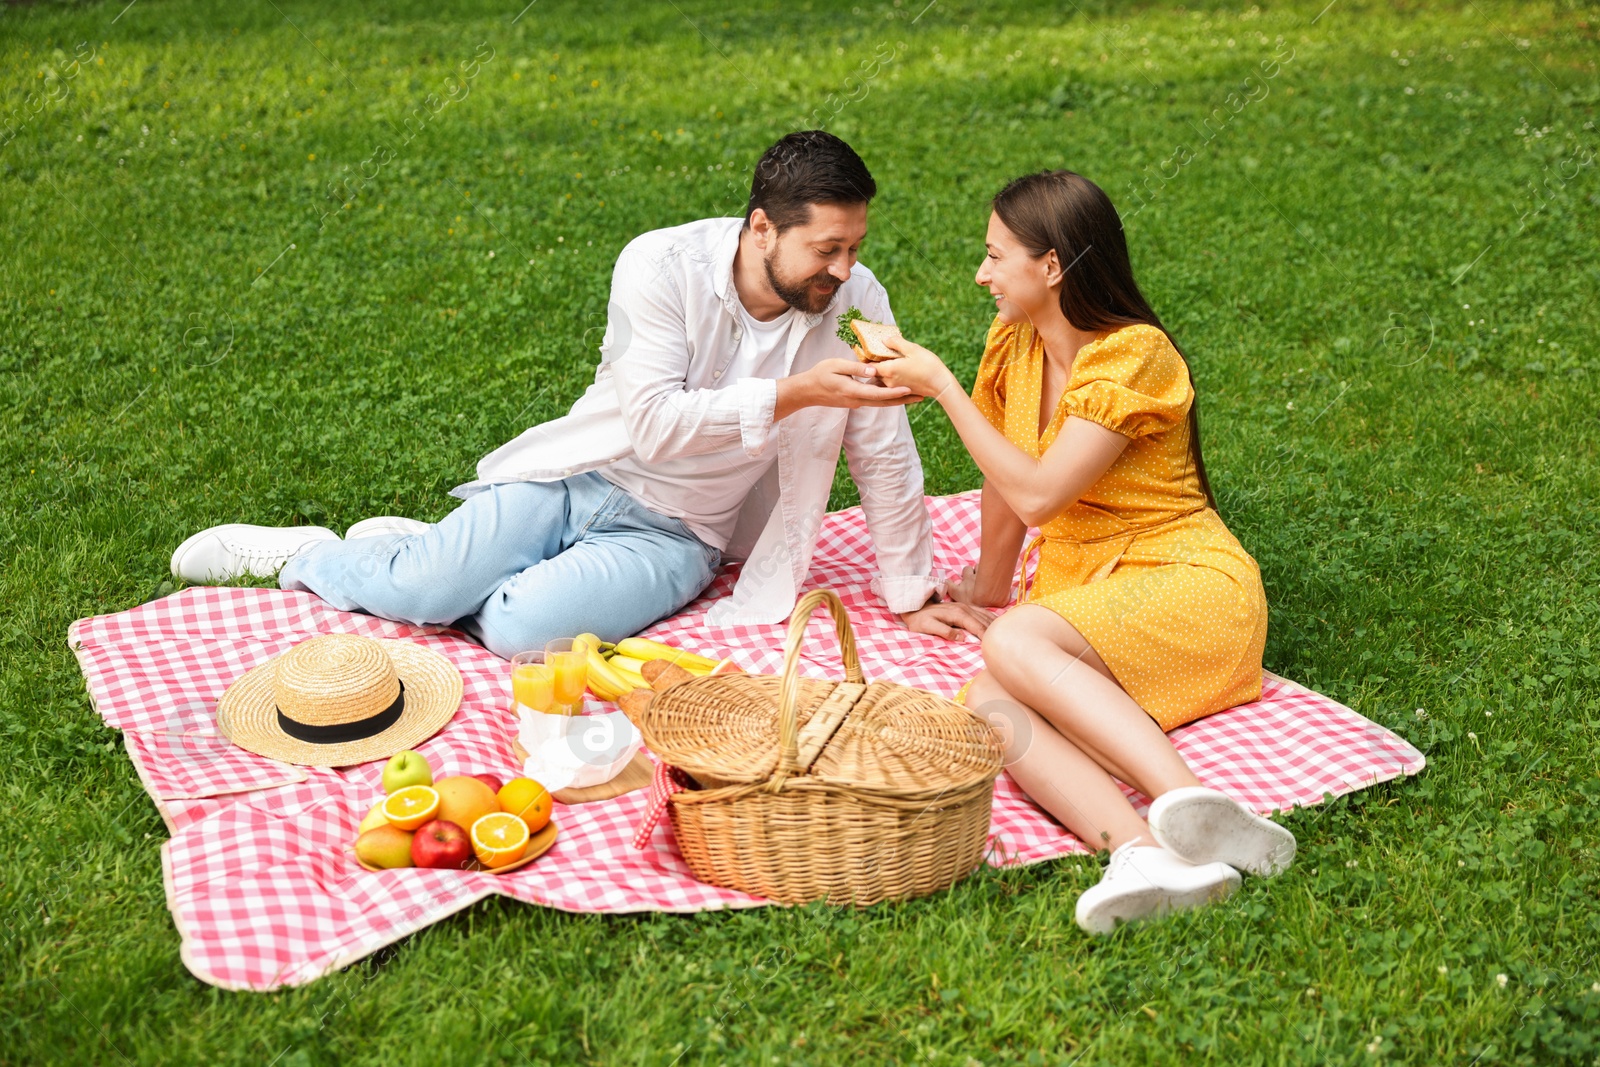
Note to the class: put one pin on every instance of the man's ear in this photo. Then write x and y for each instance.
(762, 229)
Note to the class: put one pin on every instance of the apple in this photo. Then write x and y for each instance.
(385, 846)
(406, 768)
(441, 844)
(464, 800)
(490, 780)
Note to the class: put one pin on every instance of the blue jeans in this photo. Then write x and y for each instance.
(520, 564)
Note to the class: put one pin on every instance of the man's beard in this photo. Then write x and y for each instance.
(800, 297)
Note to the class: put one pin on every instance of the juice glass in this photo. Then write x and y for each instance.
(568, 660)
(532, 683)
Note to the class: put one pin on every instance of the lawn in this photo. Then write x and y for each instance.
(305, 262)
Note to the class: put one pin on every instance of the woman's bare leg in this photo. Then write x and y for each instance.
(1042, 660)
(1058, 775)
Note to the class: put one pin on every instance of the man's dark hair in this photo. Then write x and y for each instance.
(805, 168)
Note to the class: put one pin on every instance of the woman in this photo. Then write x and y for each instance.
(1144, 612)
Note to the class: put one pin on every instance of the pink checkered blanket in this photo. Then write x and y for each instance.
(258, 874)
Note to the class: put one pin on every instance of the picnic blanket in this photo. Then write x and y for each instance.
(257, 871)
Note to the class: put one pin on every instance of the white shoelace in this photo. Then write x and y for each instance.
(259, 555)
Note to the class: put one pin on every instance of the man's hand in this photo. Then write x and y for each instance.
(948, 620)
(833, 383)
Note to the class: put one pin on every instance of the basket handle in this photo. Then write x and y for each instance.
(789, 687)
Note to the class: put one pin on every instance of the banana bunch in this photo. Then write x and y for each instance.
(614, 669)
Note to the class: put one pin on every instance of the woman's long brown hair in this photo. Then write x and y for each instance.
(1066, 212)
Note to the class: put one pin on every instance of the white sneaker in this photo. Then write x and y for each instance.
(1143, 881)
(1203, 825)
(236, 550)
(383, 526)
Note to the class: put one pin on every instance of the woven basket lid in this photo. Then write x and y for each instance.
(728, 729)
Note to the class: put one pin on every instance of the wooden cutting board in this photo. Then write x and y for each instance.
(636, 775)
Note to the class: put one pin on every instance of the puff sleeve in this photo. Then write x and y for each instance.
(989, 390)
(1133, 382)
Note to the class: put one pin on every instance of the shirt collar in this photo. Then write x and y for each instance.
(727, 249)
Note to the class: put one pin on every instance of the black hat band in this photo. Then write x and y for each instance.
(339, 732)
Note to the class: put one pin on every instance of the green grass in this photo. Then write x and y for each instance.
(184, 341)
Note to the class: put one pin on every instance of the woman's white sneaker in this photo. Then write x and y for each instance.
(1204, 826)
(1143, 881)
(237, 550)
(385, 525)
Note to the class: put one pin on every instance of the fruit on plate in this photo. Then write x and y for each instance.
(464, 800)
(406, 768)
(491, 780)
(499, 838)
(528, 801)
(375, 818)
(412, 806)
(384, 846)
(440, 844)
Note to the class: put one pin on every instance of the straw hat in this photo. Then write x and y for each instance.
(340, 699)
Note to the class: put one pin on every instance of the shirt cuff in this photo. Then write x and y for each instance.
(906, 592)
(757, 406)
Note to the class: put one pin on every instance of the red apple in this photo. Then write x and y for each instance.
(442, 844)
(490, 780)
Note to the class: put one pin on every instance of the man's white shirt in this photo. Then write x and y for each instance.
(707, 492)
(681, 415)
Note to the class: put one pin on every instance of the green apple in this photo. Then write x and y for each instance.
(406, 768)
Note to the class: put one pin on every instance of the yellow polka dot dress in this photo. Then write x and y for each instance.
(1141, 566)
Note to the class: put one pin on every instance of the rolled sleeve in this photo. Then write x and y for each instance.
(758, 403)
(906, 592)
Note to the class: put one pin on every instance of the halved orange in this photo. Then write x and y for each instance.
(499, 838)
(410, 807)
(527, 799)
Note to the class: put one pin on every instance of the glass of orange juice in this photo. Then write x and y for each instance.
(568, 661)
(532, 683)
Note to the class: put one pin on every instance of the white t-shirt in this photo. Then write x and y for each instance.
(706, 491)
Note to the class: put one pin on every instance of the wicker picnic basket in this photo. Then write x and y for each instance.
(847, 791)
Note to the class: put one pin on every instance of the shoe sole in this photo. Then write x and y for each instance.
(1206, 827)
(1150, 903)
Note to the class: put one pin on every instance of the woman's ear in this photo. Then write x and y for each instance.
(1052, 268)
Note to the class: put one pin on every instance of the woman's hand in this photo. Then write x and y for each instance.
(965, 590)
(917, 369)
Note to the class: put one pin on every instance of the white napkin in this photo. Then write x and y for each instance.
(576, 750)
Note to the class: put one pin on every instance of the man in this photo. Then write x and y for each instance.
(711, 431)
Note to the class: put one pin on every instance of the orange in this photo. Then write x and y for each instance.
(409, 808)
(527, 799)
(499, 839)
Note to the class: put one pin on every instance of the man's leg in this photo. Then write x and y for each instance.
(446, 572)
(631, 567)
